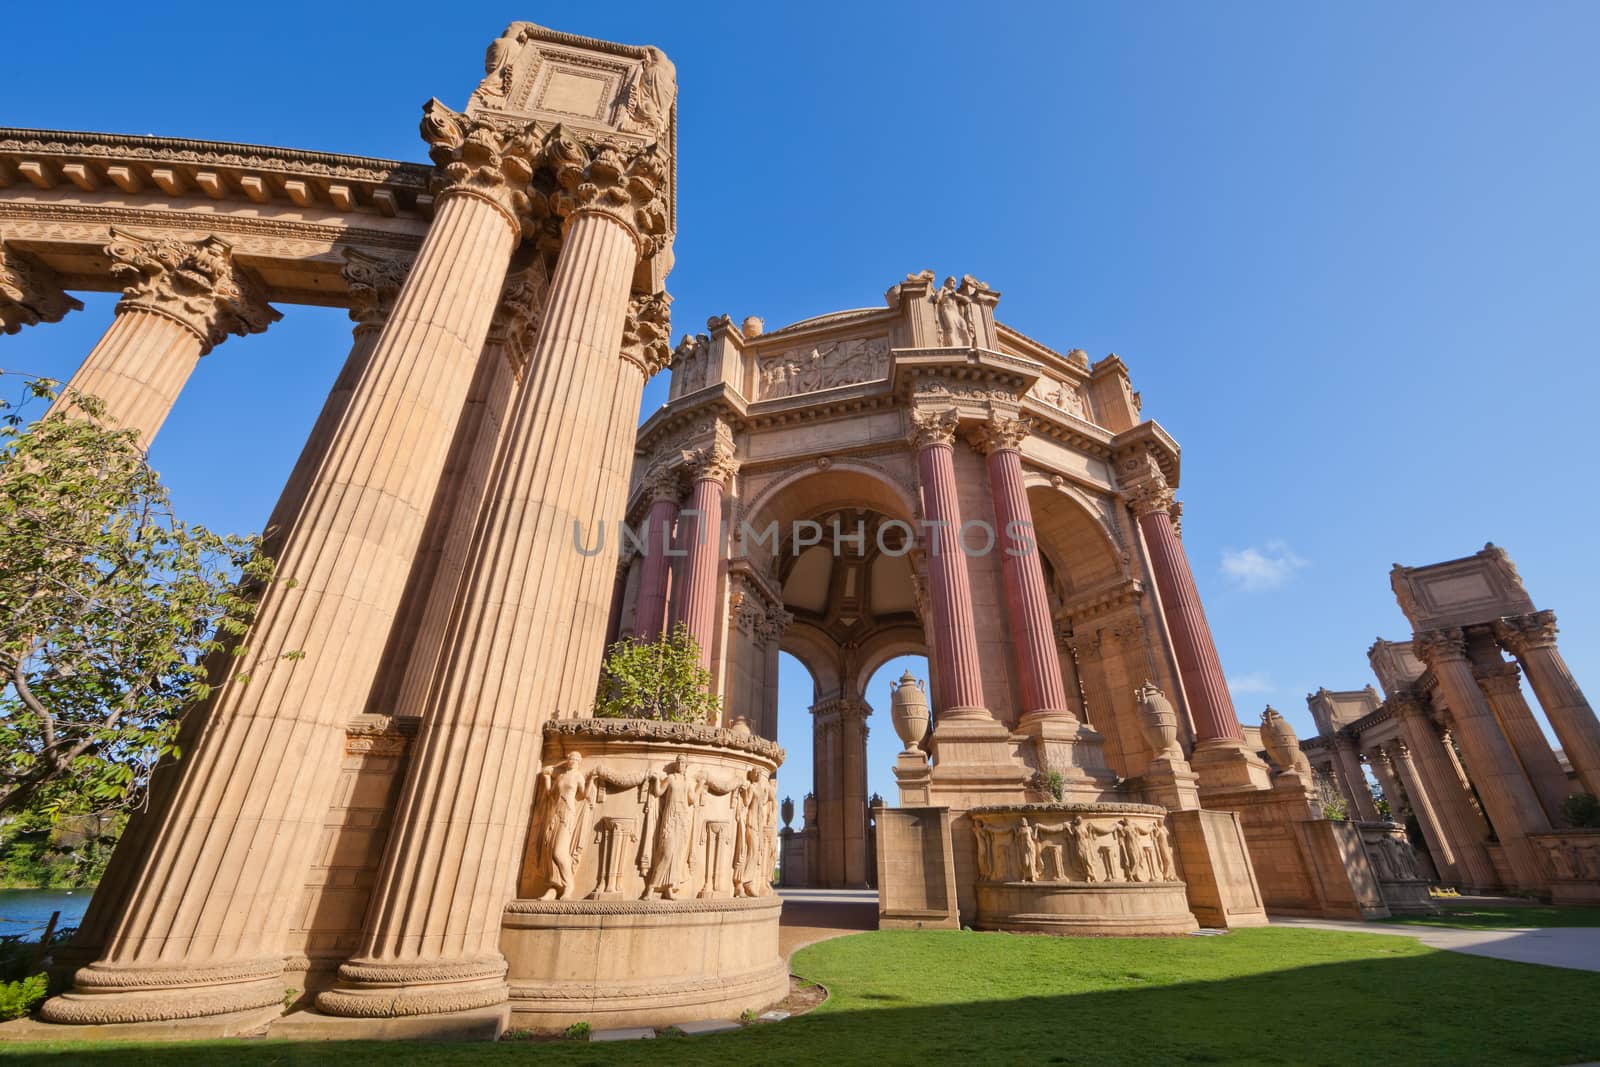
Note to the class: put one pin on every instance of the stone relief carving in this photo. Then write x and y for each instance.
(563, 800)
(691, 363)
(1571, 857)
(372, 283)
(194, 283)
(648, 98)
(498, 63)
(647, 331)
(953, 308)
(1101, 849)
(1061, 395)
(825, 366)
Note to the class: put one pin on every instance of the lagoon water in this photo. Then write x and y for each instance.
(26, 911)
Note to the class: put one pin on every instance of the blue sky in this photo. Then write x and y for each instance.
(1349, 251)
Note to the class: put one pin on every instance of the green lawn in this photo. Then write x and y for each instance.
(1278, 996)
(1469, 917)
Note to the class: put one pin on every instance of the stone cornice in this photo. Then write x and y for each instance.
(220, 170)
(1149, 438)
(1103, 600)
(652, 730)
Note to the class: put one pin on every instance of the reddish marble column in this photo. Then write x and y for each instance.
(1426, 760)
(694, 603)
(955, 634)
(1210, 705)
(1532, 639)
(1027, 606)
(1502, 685)
(650, 617)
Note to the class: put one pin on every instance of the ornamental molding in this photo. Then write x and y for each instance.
(518, 315)
(654, 906)
(30, 293)
(372, 282)
(651, 730)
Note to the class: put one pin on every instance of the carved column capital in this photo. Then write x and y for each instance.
(492, 163)
(773, 625)
(999, 433)
(624, 182)
(1522, 633)
(933, 428)
(1437, 647)
(1151, 496)
(30, 293)
(1500, 679)
(662, 483)
(714, 463)
(194, 283)
(1408, 705)
(516, 318)
(647, 332)
(746, 611)
(372, 283)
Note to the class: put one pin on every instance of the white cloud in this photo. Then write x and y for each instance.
(1256, 570)
(1249, 684)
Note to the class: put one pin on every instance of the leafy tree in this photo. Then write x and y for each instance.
(113, 607)
(659, 679)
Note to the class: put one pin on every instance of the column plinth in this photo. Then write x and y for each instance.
(180, 299)
(431, 940)
(1508, 799)
(1221, 757)
(1532, 639)
(203, 929)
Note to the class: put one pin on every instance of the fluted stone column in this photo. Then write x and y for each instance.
(853, 731)
(179, 300)
(649, 618)
(1221, 757)
(431, 937)
(1512, 806)
(411, 659)
(1532, 639)
(954, 629)
(1388, 783)
(1027, 605)
(1355, 782)
(30, 292)
(373, 283)
(1462, 827)
(827, 784)
(203, 931)
(1446, 856)
(694, 602)
(1502, 685)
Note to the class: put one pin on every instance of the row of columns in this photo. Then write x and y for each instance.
(200, 929)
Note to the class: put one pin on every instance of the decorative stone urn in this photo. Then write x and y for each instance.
(1279, 739)
(1158, 720)
(646, 892)
(787, 810)
(909, 710)
(1078, 869)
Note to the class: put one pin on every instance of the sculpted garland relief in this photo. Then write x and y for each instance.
(672, 832)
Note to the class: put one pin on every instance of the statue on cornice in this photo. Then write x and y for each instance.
(497, 61)
(954, 310)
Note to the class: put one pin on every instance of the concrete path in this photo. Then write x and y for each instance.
(1573, 947)
(812, 915)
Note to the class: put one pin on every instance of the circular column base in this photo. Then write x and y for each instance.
(379, 989)
(1111, 909)
(104, 993)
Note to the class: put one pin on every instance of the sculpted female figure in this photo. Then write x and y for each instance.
(562, 799)
(954, 329)
(669, 860)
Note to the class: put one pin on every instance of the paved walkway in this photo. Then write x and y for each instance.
(1574, 947)
(812, 915)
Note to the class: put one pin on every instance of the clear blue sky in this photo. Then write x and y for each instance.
(1349, 251)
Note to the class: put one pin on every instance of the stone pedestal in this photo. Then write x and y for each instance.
(1401, 881)
(916, 870)
(1572, 864)
(1077, 869)
(1214, 863)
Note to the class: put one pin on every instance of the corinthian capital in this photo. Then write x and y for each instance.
(661, 483)
(931, 428)
(372, 283)
(478, 158)
(30, 293)
(194, 283)
(647, 332)
(516, 318)
(715, 463)
(1437, 647)
(999, 433)
(1522, 633)
(1150, 496)
(622, 182)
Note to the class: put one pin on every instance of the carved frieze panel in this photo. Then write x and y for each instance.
(828, 365)
(1063, 396)
(1090, 843)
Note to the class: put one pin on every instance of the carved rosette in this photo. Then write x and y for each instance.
(518, 315)
(478, 158)
(194, 283)
(1000, 433)
(1437, 647)
(1520, 634)
(931, 429)
(30, 293)
(647, 332)
(624, 182)
(372, 283)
